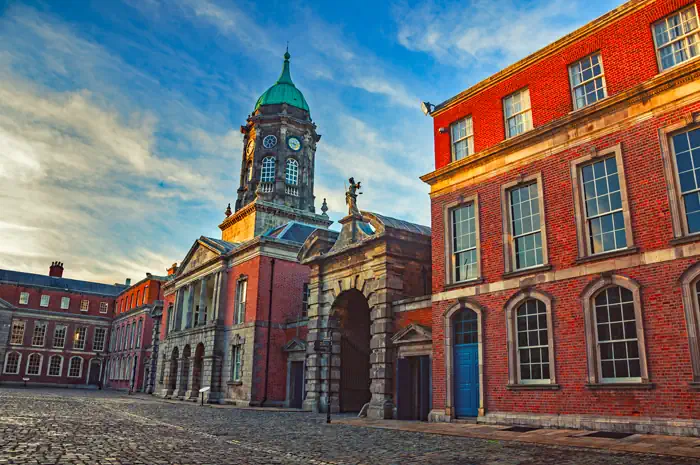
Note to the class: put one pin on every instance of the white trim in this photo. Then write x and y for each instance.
(682, 38)
(26, 300)
(67, 303)
(19, 362)
(45, 302)
(24, 328)
(70, 363)
(60, 367)
(26, 365)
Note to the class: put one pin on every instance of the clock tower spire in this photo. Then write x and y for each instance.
(277, 168)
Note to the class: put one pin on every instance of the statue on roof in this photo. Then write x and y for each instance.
(351, 197)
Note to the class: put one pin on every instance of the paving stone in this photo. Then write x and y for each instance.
(72, 427)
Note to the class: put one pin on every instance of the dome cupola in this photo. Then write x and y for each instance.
(284, 91)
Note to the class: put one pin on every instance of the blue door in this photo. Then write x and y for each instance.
(466, 364)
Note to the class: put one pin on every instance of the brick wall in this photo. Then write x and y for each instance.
(11, 293)
(627, 50)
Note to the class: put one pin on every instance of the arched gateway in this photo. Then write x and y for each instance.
(358, 277)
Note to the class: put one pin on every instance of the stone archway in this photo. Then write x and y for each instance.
(184, 371)
(351, 315)
(197, 370)
(172, 381)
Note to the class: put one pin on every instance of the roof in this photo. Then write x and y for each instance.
(292, 231)
(395, 223)
(223, 246)
(71, 285)
(284, 91)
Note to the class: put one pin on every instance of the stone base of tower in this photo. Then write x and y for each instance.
(260, 215)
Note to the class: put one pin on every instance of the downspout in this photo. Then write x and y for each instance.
(269, 331)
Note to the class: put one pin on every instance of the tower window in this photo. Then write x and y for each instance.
(292, 172)
(268, 170)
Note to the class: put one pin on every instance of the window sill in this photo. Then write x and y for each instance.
(606, 255)
(471, 282)
(619, 386)
(532, 387)
(685, 239)
(234, 383)
(526, 271)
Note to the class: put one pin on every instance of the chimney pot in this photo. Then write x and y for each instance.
(56, 269)
(128, 282)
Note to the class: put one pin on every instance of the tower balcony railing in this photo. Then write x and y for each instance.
(267, 187)
(291, 190)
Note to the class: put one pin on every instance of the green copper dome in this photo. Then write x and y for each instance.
(284, 91)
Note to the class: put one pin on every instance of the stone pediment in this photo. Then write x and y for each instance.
(200, 253)
(413, 334)
(295, 345)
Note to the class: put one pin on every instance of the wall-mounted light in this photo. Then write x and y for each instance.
(442, 130)
(426, 107)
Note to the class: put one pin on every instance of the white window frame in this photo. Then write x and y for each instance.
(291, 172)
(39, 331)
(24, 298)
(84, 305)
(45, 300)
(468, 137)
(60, 366)
(682, 38)
(29, 361)
(101, 340)
(19, 362)
(70, 366)
(267, 170)
(104, 307)
(16, 324)
(62, 338)
(526, 111)
(78, 331)
(450, 253)
(573, 71)
(236, 363)
(240, 304)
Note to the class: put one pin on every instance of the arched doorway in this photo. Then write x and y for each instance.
(465, 335)
(172, 382)
(185, 375)
(351, 314)
(197, 369)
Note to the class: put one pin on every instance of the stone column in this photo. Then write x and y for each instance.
(211, 376)
(190, 393)
(219, 289)
(190, 306)
(381, 405)
(177, 313)
(215, 298)
(202, 301)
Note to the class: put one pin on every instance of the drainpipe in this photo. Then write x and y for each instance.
(269, 331)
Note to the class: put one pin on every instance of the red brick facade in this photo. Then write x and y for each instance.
(642, 110)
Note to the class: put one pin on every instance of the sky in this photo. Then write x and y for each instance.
(119, 119)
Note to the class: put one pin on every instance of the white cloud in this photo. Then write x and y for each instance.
(482, 31)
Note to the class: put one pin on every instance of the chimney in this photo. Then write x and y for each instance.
(128, 282)
(56, 269)
(172, 270)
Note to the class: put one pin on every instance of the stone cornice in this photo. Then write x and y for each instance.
(281, 210)
(554, 47)
(641, 93)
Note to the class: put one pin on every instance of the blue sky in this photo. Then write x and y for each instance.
(119, 140)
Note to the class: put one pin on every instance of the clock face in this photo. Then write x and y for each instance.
(294, 143)
(250, 148)
(269, 141)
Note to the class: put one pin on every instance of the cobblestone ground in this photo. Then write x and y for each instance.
(76, 427)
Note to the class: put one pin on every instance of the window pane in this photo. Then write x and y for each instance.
(617, 340)
(465, 327)
(603, 206)
(532, 340)
(464, 242)
(525, 219)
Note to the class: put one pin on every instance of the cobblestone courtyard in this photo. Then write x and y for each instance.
(75, 427)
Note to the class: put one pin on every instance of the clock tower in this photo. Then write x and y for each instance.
(277, 167)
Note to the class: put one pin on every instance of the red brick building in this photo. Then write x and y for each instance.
(132, 346)
(566, 231)
(54, 330)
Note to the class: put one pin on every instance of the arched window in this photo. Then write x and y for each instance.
(690, 285)
(75, 369)
(614, 331)
(55, 365)
(291, 172)
(125, 341)
(267, 173)
(33, 364)
(12, 361)
(133, 334)
(530, 339)
(138, 298)
(116, 339)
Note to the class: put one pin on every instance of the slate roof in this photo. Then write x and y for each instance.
(292, 231)
(395, 223)
(224, 245)
(70, 285)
